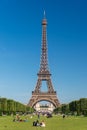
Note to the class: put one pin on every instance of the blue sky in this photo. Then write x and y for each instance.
(20, 47)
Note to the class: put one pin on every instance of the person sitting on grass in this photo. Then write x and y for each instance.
(42, 124)
(36, 123)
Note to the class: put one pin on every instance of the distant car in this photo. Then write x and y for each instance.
(49, 115)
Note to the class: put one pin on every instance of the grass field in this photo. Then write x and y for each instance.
(54, 123)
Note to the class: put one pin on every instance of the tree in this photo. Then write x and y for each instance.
(83, 104)
(10, 106)
(3, 105)
(65, 108)
(72, 107)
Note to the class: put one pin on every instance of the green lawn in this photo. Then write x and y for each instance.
(54, 123)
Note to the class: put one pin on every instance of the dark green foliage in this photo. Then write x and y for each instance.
(3, 105)
(8, 106)
(83, 104)
(74, 108)
(57, 110)
(78, 108)
(85, 112)
(65, 108)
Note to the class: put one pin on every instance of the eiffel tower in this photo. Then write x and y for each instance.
(44, 75)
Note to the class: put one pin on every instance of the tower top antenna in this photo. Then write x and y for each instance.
(44, 21)
(44, 14)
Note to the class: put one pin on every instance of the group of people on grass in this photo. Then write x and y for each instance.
(35, 123)
(18, 119)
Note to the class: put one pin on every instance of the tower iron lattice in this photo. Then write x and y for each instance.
(44, 75)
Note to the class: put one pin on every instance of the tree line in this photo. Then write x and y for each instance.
(77, 107)
(9, 106)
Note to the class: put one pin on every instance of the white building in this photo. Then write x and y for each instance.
(44, 108)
